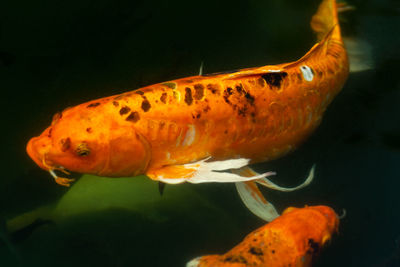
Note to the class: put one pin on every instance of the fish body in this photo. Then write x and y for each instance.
(192, 129)
(293, 239)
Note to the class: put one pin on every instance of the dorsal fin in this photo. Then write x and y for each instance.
(265, 70)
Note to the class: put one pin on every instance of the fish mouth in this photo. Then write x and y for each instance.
(58, 179)
(36, 152)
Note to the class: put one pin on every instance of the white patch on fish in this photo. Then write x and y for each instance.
(307, 73)
(190, 136)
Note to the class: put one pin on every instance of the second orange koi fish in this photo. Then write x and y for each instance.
(292, 239)
(198, 129)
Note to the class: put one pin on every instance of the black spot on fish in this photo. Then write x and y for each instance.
(241, 110)
(49, 133)
(89, 130)
(119, 97)
(163, 98)
(188, 96)
(133, 117)
(330, 69)
(235, 258)
(274, 79)
(261, 82)
(65, 144)
(249, 98)
(198, 91)
(256, 251)
(115, 103)
(146, 105)
(92, 105)
(139, 92)
(299, 76)
(273, 251)
(313, 246)
(227, 93)
(206, 109)
(214, 88)
(124, 110)
(239, 89)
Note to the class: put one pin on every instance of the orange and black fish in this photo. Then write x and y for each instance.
(293, 239)
(198, 129)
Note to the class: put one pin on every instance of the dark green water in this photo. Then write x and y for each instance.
(55, 54)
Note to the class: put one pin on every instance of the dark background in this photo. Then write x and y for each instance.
(55, 54)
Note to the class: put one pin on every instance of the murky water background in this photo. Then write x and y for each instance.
(55, 54)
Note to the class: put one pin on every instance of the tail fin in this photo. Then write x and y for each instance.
(325, 19)
(359, 53)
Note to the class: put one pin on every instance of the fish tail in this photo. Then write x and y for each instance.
(326, 19)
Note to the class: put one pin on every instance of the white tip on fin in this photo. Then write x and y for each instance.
(255, 201)
(267, 183)
(360, 55)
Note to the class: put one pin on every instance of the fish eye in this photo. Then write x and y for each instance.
(82, 150)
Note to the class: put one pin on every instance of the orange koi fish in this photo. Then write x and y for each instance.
(293, 239)
(198, 129)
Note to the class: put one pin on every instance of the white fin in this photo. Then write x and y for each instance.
(359, 52)
(206, 171)
(253, 198)
(213, 171)
(255, 201)
(267, 183)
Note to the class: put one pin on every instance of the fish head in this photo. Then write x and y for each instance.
(332, 222)
(80, 140)
(322, 220)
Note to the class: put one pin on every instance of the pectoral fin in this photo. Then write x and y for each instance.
(255, 201)
(204, 171)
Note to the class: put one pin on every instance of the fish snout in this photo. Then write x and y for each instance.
(37, 148)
